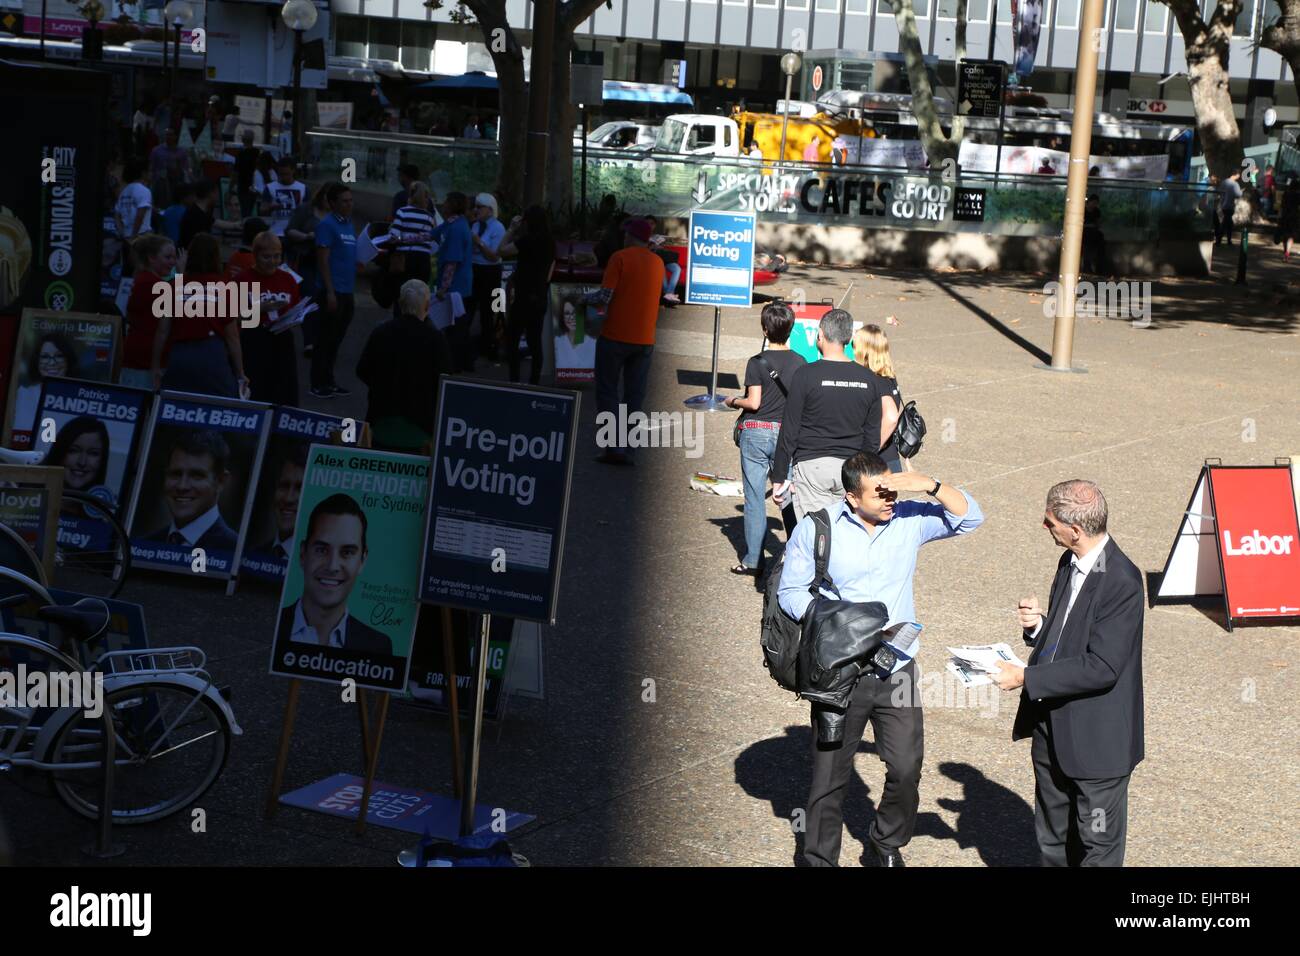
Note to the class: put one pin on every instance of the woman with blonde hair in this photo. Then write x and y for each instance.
(871, 350)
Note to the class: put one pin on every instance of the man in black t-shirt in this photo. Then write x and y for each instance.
(827, 415)
(198, 217)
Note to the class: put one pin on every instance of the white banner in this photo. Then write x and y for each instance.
(899, 153)
(1036, 160)
(335, 115)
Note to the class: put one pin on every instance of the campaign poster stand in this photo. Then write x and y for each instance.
(49, 481)
(508, 437)
(370, 741)
(1254, 518)
(719, 272)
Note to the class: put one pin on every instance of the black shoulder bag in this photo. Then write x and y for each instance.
(775, 376)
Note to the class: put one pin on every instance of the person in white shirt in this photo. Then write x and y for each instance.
(281, 198)
(134, 203)
(486, 233)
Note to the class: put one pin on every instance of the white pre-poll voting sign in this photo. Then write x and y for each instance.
(720, 258)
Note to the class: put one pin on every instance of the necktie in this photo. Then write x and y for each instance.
(1049, 649)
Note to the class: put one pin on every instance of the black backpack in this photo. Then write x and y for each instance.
(910, 431)
(780, 637)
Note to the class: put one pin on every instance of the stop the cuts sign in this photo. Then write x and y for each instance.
(1258, 539)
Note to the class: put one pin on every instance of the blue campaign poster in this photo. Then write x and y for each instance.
(95, 440)
(720, 258)
(398, 808)
(499, 498)
(196, 487)
(279, 487)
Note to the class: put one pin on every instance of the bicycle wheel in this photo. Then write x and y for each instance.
(93, 555)
(172, 744)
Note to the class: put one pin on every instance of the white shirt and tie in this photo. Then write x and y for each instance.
(1080, 568)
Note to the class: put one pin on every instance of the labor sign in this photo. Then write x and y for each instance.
(1241, 528)
(818, 76)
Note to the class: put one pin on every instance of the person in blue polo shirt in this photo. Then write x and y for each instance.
(336, 261)
(455, 273)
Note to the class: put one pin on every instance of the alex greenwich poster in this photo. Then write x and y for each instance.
(351, 596)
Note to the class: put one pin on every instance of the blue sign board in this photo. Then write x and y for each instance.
(399, 808)
(499, 498)
(720, 258)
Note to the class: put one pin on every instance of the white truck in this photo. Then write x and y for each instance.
(696, 134)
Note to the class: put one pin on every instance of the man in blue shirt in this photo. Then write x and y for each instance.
(874, 542)
(455, 273)
(336, 262)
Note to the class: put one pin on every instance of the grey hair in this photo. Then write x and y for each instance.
(413, 299)
(837, 326)
(415, 191)
(1079, 502)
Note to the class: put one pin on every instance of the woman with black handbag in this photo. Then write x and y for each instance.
(759, 426)
(871, 351)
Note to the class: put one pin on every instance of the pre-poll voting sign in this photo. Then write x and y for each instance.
(720, 258)
(95, 439)
(201, 461)
(275, 506)
(350, 598)
(499, 499)
(1239, 537)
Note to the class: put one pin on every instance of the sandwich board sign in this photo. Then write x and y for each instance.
(720, 258)
(1239, 538)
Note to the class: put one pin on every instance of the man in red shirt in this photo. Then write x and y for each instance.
(630, 290)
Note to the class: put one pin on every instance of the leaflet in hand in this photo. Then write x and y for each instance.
(281, 321)
(973, 663)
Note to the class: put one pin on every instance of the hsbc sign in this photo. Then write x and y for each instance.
(1147, 106)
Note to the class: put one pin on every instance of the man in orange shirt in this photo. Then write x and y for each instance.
(631, 289)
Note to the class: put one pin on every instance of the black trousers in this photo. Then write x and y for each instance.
(333, 326)
(1078, 822)
(894, 710)
(487, 279)
(527, 313)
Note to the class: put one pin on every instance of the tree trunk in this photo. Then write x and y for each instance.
(1283, 37)
(938, 147)
(508, 60)
(1206, 51)
(563, 117)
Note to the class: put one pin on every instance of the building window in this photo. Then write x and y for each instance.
(796, 4)
(828, 6)
(1126, 15)
(417, 45)
(1157, 17)
(977, 11)
(1245, 22)
(350, 37)
(919, 7)
(765, 3)
(1067, 14)
(385, 39)
(856, 7)
(1004, 11)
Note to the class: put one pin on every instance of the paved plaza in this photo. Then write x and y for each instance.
(661, 739)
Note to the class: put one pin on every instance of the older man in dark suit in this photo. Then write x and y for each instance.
(1081, 693)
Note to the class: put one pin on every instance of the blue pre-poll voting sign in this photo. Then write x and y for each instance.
(499, 498)
(720, 258)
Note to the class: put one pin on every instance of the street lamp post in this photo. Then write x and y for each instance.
(299, 16)
(180, 14)
(790, 64)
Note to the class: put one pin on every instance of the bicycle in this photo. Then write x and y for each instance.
(92, 551)
(162, 704)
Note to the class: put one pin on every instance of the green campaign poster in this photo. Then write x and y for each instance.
(351, 595)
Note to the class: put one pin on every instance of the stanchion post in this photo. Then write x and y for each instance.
(471, 775)
(1076, 191)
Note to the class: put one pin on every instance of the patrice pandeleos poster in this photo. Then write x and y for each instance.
(351, 595)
